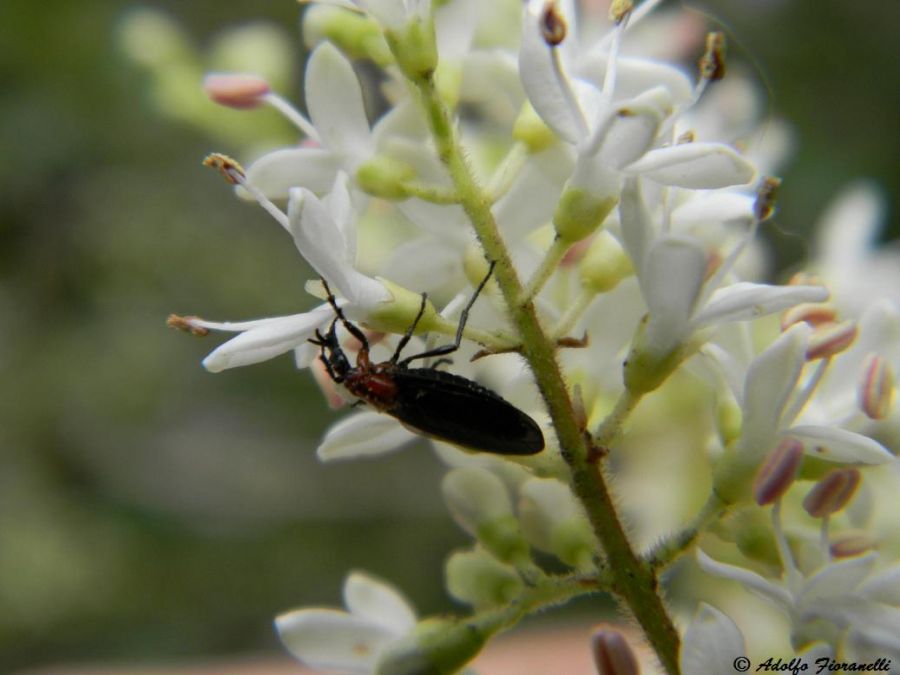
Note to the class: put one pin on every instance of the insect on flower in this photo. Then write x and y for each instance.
(427, 401)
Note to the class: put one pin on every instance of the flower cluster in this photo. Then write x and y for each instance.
(617, 196)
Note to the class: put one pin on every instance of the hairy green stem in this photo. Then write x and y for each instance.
(672, 547)
(632, 580)
(545, 270)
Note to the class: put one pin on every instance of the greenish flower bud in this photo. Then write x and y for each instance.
(553, 521)
(644, 370)
(605, 264)
(729, 419)
(436, 647)
(580, 212)
(414, 47)
(479, 579)
(530, 129)
(752, 530)
(355, 34)
(480, 504)
(385, 177)
(398, 315)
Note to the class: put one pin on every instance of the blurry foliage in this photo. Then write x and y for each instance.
(148, 509)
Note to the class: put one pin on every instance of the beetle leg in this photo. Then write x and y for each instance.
(409, 331)
(463, 318)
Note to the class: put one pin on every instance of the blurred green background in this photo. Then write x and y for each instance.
(150, 510)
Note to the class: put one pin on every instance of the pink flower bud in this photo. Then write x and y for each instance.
(235, 90)
(831, 339)
(777, 473)
(876, 387)
(326, 385)
(612, 653)
(832, 493)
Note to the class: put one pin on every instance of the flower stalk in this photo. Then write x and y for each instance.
(632, 580)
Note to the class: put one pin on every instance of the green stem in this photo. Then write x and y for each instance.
(548, 592)
(674, 546)
(435, 194)
(571, 315)
(546, 269)
(631, 579)
(506, 172)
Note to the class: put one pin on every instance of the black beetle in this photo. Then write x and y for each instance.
(427, 401)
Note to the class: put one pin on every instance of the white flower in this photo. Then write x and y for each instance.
(324, 231)
(614, 128)
(846, 594)
(711, 643)
(672, 272)
(350, 641)
(772, 399)
(848, 261)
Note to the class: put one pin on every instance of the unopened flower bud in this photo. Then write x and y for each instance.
(876, 387)
(436, 645)
(479, 502)
(356, 34)
(812, 313)
(385, 177)
(830, 339)
(552, 24)
(531, 130)
(580, 212)
(236, 90)
(712, 63)
(612, 653)
(398, 314)
(479, 579)
(605, 264)
(832, 493)
(777, 472)
(553, 521)
(414, 46)
(851, 543)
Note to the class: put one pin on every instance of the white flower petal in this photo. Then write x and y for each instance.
(331, 639)
(776, 594)
(638, 229)
(835, 580)
(634, 128)
(323, 244)
(379, 602)
(672, 278)
(365, 434)
(635, 75)
(340, 207)
(540, 81)
(275, 173)
(335, 103)
(771, 379)
(714, 207)
(700, 166)
(840, 445)
(743, 301)
(850, 225)
(455, 24)
(711, 643)
(266, 339)
(883, 586)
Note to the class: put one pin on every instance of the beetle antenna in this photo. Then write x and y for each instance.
(351, 328)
